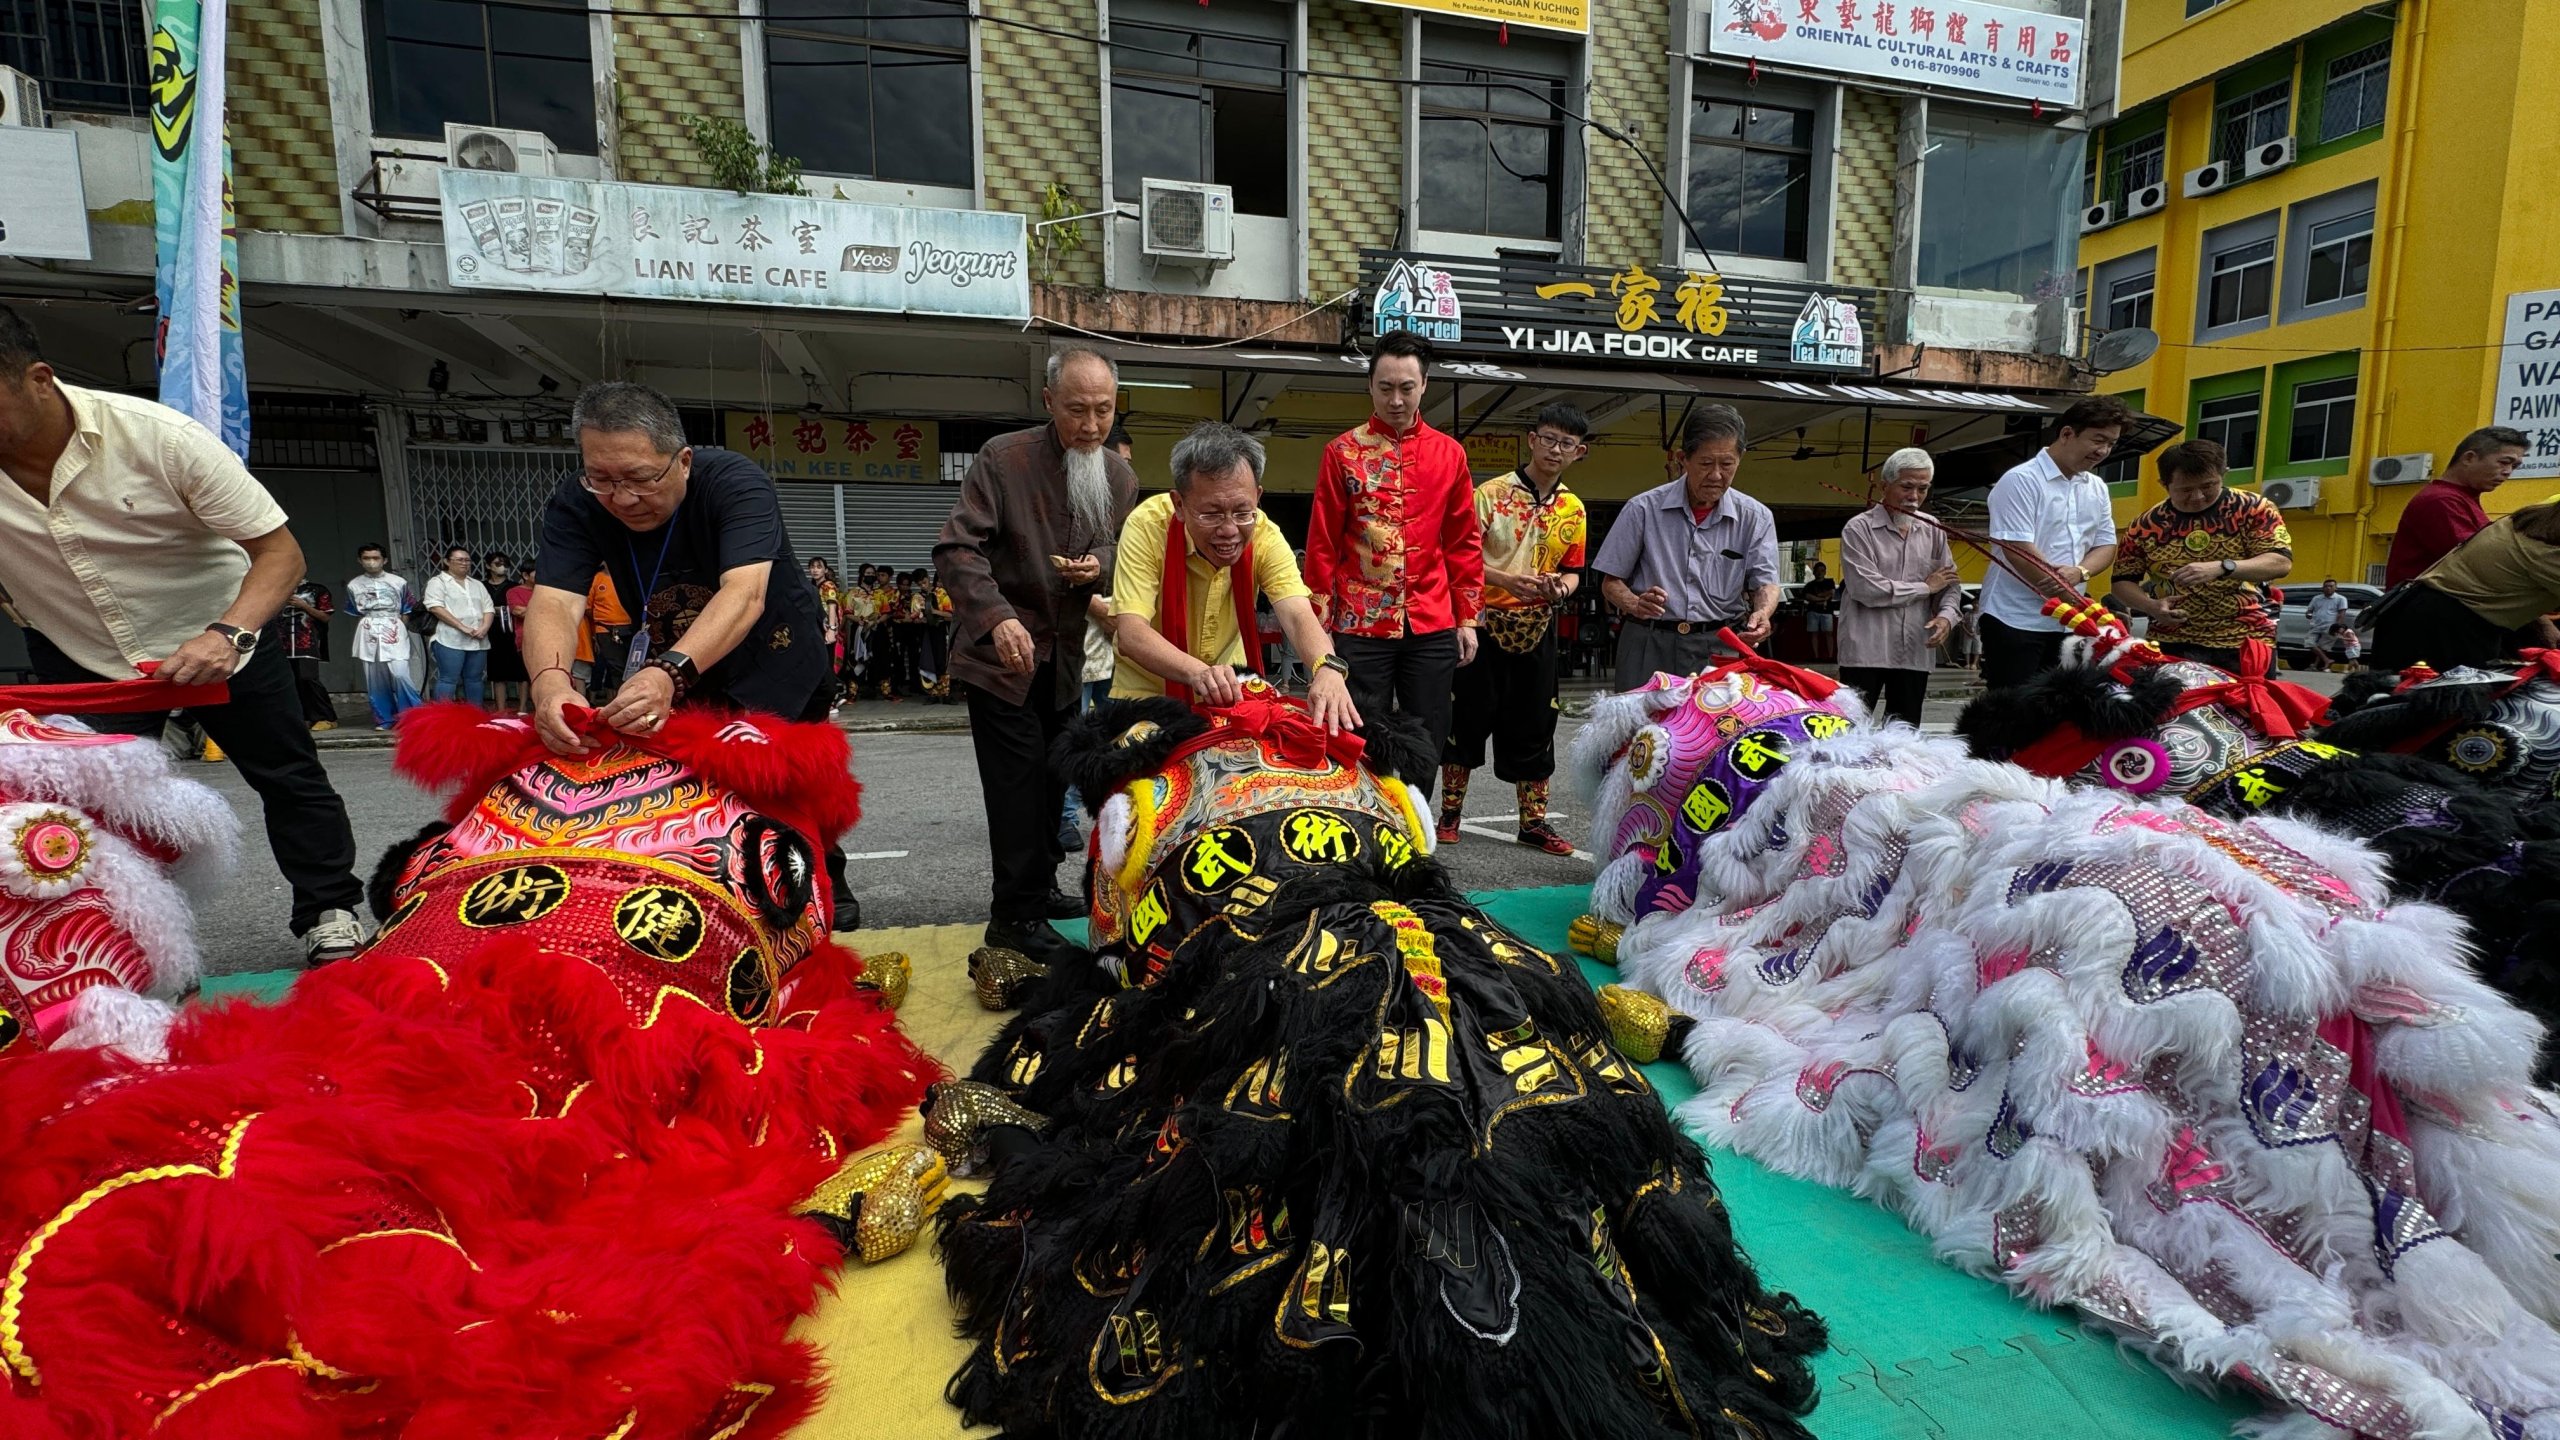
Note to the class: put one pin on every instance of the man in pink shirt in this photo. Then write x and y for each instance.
(2447, 512)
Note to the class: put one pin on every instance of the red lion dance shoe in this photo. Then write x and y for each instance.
(527, 1167)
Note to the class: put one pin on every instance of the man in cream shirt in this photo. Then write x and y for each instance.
(129, 537)
(1184, 630)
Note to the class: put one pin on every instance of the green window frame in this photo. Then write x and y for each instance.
(2229, 418)
(2319, 52)
(2276, 445)
(2241, 96)
(2141, 137)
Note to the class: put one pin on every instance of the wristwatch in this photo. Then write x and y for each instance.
(2229, 566)
(1337, 665)
(679, 667)
(242, 641)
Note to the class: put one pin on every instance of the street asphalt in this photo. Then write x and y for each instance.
(918, 858)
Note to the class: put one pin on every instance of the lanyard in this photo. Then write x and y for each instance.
(640, 629)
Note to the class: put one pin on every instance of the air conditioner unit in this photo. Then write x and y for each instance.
(2297, 494)
(2205, 179)
(1187, 222)
(2401, 469)
(2098, 216)
(21, 98)
(2146, 201)
(2272, 156)
(487, 147)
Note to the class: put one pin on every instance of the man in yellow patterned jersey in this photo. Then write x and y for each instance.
(1534, 530)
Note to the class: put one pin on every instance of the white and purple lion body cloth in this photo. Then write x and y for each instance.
(2190, 1075)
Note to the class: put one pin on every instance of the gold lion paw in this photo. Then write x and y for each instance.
(1001, 975)
(959, 1113)
(1590, 935)
(887, 972)
(1639, 1024)
(879, 1202)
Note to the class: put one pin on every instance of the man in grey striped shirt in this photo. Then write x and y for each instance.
(1692, 557)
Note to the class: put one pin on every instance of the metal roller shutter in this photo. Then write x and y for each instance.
(851, 525)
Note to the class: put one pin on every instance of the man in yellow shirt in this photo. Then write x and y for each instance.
(1191, 563)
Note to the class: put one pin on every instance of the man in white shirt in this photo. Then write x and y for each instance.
(464, 610)
(130, 537)
(2325, 610)
(2054, 530)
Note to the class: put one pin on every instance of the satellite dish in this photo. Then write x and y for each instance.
(2122, 349)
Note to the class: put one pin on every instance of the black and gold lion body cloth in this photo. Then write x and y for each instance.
(1322, 1148)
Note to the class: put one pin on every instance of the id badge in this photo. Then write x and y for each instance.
(639, 652)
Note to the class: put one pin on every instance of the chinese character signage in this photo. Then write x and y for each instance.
(2529, 379)
(794, 446)
(1954, 44)
(659, 242)
(1572, 15)
(1534, 310)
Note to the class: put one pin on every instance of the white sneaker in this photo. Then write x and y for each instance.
(336, 935)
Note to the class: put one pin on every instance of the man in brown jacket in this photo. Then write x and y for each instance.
(1028, 544)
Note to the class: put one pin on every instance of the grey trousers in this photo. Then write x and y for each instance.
(1644, 649)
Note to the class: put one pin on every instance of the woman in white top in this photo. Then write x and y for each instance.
(463, 611)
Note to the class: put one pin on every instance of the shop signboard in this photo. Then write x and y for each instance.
(1952, 44)
(1638, 313)
(2529, 379)
(44, 214)
(1569, 15)
(663, 242)
(837, 449)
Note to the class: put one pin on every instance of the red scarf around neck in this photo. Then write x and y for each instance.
(1173, 599)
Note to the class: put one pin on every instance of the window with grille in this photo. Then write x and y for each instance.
(874, 88)
(1751, 177)
(2340, 263)
(2232, 423)
(2324, 416)
(2240, 283)
(91, 56)
(2254, 119)
(2354, 91)
(521, 64)
(2129, 301)
(1492, 149)
(2136, 164)
(1201, 94)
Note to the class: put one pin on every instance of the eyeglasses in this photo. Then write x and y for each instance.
(1554, 442)
(602, 486)
(1227, 519)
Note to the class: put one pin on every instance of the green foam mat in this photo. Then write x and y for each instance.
(1919, 1350)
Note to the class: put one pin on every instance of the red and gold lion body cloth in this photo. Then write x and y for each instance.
(527, 1167)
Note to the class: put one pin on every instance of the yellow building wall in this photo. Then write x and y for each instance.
(2464, 215)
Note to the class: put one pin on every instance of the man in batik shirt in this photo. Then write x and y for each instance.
(1534, 530)
(1394, 557)
(2198, 563)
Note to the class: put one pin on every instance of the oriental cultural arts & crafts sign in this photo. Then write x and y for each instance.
(1951, 44)
(662, 242)
(1637, 312)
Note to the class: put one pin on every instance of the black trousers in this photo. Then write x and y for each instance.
(1893, 694)
(263, 733)
(316, 704)
(1511, 700)
(2011, 656)
(2432, 626)
(1023, 795)
(1412, 674)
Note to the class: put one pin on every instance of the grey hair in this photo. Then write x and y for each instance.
(1213, 449)
(1711, 422)
(1909, 457)
(1065, 355)
(622, 406)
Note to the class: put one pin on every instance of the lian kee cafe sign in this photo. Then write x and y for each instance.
(663, 242)
(1637, 312)
(836, 449)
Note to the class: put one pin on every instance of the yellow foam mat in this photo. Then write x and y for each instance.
(884, 1337)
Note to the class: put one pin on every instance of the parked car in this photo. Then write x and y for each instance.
(2293, 625)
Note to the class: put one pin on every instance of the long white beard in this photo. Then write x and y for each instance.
(1089, 492)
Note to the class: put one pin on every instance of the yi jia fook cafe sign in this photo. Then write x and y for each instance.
(662, 242)
(1955, 45)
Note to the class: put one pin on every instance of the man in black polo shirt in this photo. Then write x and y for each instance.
(694, 544)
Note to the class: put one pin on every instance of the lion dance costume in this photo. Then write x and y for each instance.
(527, 1167)
(2450, 778)
(1316, 1143)
(2187, 1074)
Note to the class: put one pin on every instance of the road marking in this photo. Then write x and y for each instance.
(1474, 826)
(878, 855)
